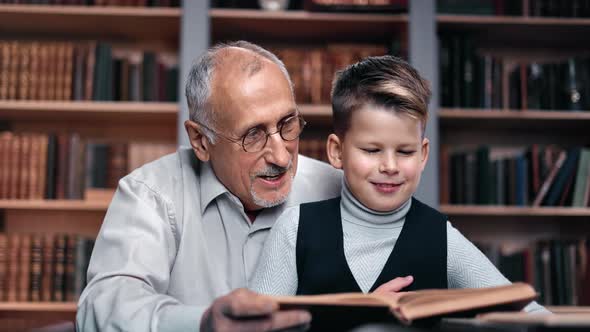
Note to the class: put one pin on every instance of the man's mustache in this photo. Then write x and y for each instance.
(274, 170)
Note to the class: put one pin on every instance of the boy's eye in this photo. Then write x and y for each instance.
(371, 150)
(407, 152)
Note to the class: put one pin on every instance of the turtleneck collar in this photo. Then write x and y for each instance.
(354, 211)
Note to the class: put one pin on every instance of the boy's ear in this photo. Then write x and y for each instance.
(425, 152)
(198, 140)
(334, 150)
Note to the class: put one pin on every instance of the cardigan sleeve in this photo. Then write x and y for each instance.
(276, 272)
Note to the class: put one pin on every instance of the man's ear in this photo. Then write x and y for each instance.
(198, 140)
(334, 150)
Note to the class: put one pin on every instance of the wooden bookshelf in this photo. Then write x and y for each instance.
(150, 29)
(96, 199)
(115, 121)
(520, 39)
(229, 24)
(317, 115)
(32, 307)
(460, 126)
(489, 21)
(56, 205)
(116, 23)
(502, 211)
(515, 224)
(24, 316)
(507, 29)
(88, 111)
(516, 119)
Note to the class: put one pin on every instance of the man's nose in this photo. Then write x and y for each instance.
(277, 153)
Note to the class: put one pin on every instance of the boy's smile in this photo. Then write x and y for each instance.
(382, 155)
(386, 188)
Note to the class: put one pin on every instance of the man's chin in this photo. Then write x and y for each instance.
(268, 201)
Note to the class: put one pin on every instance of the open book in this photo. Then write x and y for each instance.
(359, 308)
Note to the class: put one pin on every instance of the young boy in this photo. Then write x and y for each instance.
(376, 231)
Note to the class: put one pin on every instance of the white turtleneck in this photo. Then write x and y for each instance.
(369, 238)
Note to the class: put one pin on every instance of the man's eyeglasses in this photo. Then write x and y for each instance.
(256, 138)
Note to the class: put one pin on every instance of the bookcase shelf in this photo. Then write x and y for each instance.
(514, 119)
(119, 23)
(88, 111)
(553, 30)
(514, 211)
(55, 205)
(316, 115)
(96, 200)
(510, 21)
(55, 307)
(305, 26)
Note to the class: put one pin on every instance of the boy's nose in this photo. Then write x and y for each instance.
(388, 165)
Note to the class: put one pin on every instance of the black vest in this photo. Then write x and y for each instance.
(420, 251)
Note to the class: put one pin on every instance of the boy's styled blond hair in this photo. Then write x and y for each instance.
(381, 81)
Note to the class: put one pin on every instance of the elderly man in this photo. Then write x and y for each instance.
(183, 233)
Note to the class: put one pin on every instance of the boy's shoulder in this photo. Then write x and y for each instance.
(427, 209)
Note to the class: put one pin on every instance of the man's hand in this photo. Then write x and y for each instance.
(393, 287)
(244, 310)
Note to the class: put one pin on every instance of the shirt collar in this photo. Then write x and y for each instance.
(210, 186)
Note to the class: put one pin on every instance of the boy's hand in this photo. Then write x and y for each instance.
(244, 310)
(392, 287)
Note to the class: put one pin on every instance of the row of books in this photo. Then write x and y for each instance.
(547, 8)
(470, 78)
(558, 269)
(320, 5)
(551, 8)
(85, 70)
(43, 267)
(312, 68)
(103, 158)
(62, 166)
(132, 3)
(561, 85)
(522, 176)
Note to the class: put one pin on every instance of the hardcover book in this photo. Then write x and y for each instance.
(346, 310)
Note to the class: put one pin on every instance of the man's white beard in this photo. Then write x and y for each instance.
(270, 203)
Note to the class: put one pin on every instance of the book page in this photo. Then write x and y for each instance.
(342, 299)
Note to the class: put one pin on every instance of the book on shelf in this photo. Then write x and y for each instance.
(63, 165)
(312, 67)
(411, 307)
(535, 8)
(556, 268)
(43, 267)
(537, 175)
(475, 76)
(356, 6)
(581, 193)
(85, 70)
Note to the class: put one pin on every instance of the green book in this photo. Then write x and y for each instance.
(582, 178)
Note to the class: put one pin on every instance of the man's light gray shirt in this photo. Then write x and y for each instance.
(174, 239)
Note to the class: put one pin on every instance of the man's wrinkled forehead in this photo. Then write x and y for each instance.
(237, 62)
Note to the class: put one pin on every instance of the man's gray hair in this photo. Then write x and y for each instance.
(198, 85)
